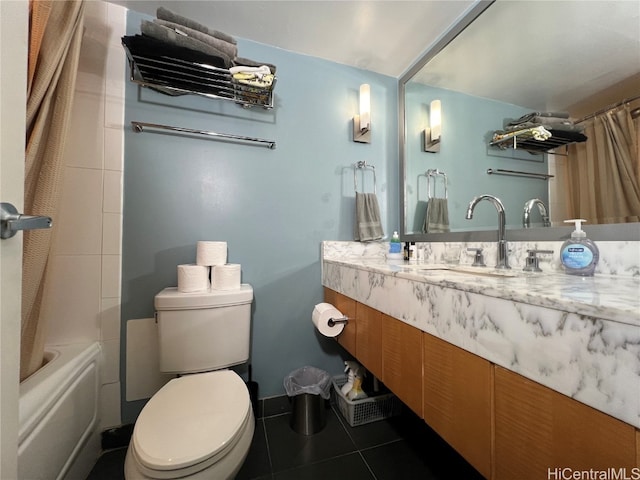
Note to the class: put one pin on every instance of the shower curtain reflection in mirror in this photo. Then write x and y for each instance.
(603, 173)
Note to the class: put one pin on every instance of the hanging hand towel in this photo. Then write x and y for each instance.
(436, 219)
(368, 226)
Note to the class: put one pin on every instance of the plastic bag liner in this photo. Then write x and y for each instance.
(308, 380)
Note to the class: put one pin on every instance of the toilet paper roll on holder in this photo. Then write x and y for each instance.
(332, 322)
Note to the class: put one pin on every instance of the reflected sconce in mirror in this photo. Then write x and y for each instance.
(433, 133)
(362, 122)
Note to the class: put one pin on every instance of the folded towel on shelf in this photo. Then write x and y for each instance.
(530, 117)
(229, 49)
(181, 75)
(263, 81)
(564, 126)
(166, 14)
(368, 225)
(537, 133)
(170, 36)
(436, 219)
(246, 62)
(258, 72)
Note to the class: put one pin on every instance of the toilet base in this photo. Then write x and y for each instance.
(224, 469)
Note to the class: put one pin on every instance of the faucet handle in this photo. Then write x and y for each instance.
(532, 262)
(478, 260)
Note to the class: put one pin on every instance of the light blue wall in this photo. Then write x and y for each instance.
(468, 124)
(273, 207)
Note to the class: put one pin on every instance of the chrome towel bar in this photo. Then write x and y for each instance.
(516, 173)
(139, 127)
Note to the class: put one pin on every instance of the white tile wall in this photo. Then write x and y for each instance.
(82, 294)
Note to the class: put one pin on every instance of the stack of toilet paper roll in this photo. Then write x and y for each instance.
(211, 262)
(320, 317)
(211, 253)
(226, 277)
(193, 278)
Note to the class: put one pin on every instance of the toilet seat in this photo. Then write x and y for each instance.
(191, 423)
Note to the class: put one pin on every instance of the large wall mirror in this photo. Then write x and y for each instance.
(502, 61)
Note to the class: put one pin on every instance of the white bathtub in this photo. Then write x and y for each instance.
(58, 435)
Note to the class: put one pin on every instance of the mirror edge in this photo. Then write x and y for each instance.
(608, 232)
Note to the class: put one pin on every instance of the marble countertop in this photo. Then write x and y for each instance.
(602, 296)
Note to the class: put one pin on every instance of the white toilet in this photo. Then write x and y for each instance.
(197, 426)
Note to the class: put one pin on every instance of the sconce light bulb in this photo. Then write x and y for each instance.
(365, 107)
(435, 120)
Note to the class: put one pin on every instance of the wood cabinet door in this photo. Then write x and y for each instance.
(402, 361)
(539, 432)
(457, 400)
(369, 338)
(347, 306)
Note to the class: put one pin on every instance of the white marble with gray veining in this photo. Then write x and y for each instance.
(578, 336)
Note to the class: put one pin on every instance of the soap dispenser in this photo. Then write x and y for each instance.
(395, 248)
(579, 255)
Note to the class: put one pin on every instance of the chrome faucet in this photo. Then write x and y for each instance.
(503, 261)
(542, 208)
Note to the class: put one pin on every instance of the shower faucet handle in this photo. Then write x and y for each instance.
(11, 221)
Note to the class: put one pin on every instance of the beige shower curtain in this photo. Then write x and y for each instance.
(603, 173)
(55, 34)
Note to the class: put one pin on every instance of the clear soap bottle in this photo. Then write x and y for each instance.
(579, 255)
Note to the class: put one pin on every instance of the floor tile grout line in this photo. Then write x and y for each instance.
(367, 465)
(383, 444)
(317, 462)
(266, 441)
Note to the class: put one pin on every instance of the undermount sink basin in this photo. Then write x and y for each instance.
(464, 270)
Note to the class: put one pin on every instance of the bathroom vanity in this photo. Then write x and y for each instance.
(522, 373)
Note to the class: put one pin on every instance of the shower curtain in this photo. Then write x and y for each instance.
(55, 35)
(603, 173)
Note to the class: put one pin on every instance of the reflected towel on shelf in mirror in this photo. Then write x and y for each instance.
(368, 225)
(436, 219)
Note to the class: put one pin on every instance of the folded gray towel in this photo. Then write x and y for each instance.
(166, 14)
(529, 117)
(167, 35)
(228, 48)
(563, 126)
(368, 226)
(437, 218)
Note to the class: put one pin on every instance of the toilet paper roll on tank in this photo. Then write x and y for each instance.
(193, 278)
(322, 313)
(211, 253)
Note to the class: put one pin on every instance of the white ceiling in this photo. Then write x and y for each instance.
(534, 53)
(543, 55)
(380, 36)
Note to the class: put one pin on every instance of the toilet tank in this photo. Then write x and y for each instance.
(198, 332)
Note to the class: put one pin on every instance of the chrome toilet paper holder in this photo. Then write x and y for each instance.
(332, 322)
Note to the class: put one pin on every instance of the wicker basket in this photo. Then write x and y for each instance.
(366, 410)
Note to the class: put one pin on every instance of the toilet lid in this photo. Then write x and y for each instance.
(191, 419)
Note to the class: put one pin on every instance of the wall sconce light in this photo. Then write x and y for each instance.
(433, 133)
(362, 122)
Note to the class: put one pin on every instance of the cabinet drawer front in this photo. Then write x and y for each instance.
(457, 400)
(537, 429)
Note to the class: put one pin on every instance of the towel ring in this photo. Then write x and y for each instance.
(434, 174)
(363, 165)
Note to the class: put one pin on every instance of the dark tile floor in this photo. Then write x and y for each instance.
(398, 448)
